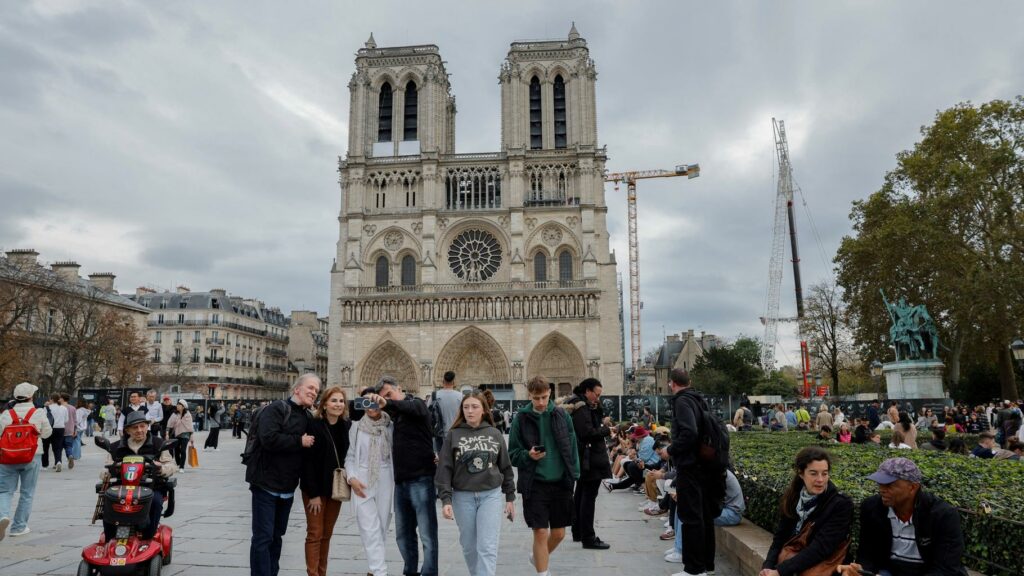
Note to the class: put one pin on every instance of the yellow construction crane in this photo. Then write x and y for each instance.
(629, 179)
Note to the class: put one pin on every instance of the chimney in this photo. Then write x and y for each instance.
(304, 318)
(182, 289)
(67, 270)
(219, 292)
(142, 291)
(102, 281)
(673, 338)
(23, 258)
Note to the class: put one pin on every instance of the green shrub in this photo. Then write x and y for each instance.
(988, 493)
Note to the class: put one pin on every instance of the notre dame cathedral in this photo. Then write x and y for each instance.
(493, 264)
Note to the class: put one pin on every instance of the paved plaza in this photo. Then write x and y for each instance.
(212, 528)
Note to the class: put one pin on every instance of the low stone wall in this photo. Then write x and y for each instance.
(746, 545)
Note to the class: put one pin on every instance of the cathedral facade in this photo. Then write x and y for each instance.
(493, 265)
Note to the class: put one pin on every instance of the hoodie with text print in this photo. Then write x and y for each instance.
(474, 460)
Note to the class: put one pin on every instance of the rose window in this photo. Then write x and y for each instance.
(475, 255)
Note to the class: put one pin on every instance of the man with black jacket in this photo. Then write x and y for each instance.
(702, 483)
(591, 432)
(273, 471)
(415, 465)
(905, 531)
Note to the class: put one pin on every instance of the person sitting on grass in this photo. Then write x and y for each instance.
(862, 432)
(905, 530)
(774, 426)
(825, 434)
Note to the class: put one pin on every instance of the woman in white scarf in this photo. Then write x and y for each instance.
(370, 474)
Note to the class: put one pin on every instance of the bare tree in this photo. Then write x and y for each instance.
(826, 326)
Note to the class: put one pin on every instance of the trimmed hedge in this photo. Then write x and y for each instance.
(988, 493)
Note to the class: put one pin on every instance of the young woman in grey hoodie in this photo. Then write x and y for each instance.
(475, 483)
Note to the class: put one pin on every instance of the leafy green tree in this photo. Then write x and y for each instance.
(778, 383)
(729, 369)
(946, 230)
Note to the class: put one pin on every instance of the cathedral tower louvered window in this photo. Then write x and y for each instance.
(408, 271)
(536, 122)
(409, 118)
(382, 272)
(561, 136)
(540, 267)
(384, 114)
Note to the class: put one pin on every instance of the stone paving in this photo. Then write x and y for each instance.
(212, 529)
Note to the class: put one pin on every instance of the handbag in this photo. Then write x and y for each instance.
(796, 544)
(193, 456)
(340, 490)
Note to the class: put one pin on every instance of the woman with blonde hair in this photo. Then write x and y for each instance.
(330, 429)
(824, 417)
(476, 484)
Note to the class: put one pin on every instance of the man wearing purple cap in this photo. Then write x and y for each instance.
(904, 530)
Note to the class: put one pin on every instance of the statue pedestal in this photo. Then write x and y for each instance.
(908, 379)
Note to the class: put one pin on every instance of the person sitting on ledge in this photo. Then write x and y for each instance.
(904, 530)
(986, 445)
(938, 441)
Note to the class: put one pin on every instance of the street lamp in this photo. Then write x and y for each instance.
(1017, 348)
(876, 375)
(212, 387)
(817, 384)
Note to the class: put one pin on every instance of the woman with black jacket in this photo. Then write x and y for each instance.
(329, 428)
(811, 501)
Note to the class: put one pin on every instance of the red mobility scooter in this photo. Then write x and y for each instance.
(125, 501)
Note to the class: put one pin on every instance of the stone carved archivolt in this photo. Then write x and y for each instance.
(393, 240)
(474, 255)
(556, 358)
(469, 308)
(389, 358)
(552, 235)
(475, 358)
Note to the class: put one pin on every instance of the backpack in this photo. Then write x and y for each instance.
(712, 437)
(49, 415)
(19, 440)
(252, 445)
(436, 419)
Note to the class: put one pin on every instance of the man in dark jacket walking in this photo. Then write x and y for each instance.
(702, 483)
(591, 432)
(905, 531)
(414, 465)
(273, 471)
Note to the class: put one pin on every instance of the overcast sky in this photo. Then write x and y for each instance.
(196, 142)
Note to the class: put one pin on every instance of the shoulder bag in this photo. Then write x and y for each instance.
(340, 490)
(798, 543)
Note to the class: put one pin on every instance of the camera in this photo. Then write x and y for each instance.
(365, 404)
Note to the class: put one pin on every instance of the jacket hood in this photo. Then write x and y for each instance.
(571, 403)
(484, 424)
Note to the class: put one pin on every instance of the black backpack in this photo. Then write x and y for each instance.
(712, 436)
(252, 445)
(436, 419)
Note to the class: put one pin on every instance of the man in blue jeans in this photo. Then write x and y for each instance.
(27, 473)
(272, 471)
(414, 464)
(732, 514)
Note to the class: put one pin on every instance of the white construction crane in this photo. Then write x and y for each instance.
(629, 179)
(783, 212)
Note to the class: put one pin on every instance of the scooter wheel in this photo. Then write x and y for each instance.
(86, 569)
(155, 563)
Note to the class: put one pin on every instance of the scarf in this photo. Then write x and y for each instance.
(804, 507)
(379, 448)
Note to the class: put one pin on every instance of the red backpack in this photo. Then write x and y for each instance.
(19, 440)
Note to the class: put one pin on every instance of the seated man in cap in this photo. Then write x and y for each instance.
(16, 470)
(904, 530)
(137, 441)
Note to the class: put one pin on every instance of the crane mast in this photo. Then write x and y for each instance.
(783, 214)
(629, 179)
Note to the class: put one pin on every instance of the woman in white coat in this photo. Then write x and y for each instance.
(371, 476)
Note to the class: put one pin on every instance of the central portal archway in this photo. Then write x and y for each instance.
(389, 358)
(476, 359)
(556, 358)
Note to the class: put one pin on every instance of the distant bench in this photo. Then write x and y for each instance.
(746, 545)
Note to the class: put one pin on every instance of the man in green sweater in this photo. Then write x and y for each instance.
(542, 446)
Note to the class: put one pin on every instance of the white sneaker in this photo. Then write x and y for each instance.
(688, 574)
(674, 557)
(669, 551)
(58, 467)
(668, 523)
(22, 533)
(4, 523)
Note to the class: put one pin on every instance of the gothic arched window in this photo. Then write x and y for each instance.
(384, 114)
(565, 266)
(408, 271)
(560, 131)
(409, 118)
(382, 271)
(540, 267)
(536, 125)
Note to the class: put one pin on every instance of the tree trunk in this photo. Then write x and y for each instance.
(953, 373)
(1007, 381)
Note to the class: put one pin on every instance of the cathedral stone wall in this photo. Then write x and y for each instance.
(494, 265)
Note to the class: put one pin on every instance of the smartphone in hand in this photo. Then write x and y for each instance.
(539, 449)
